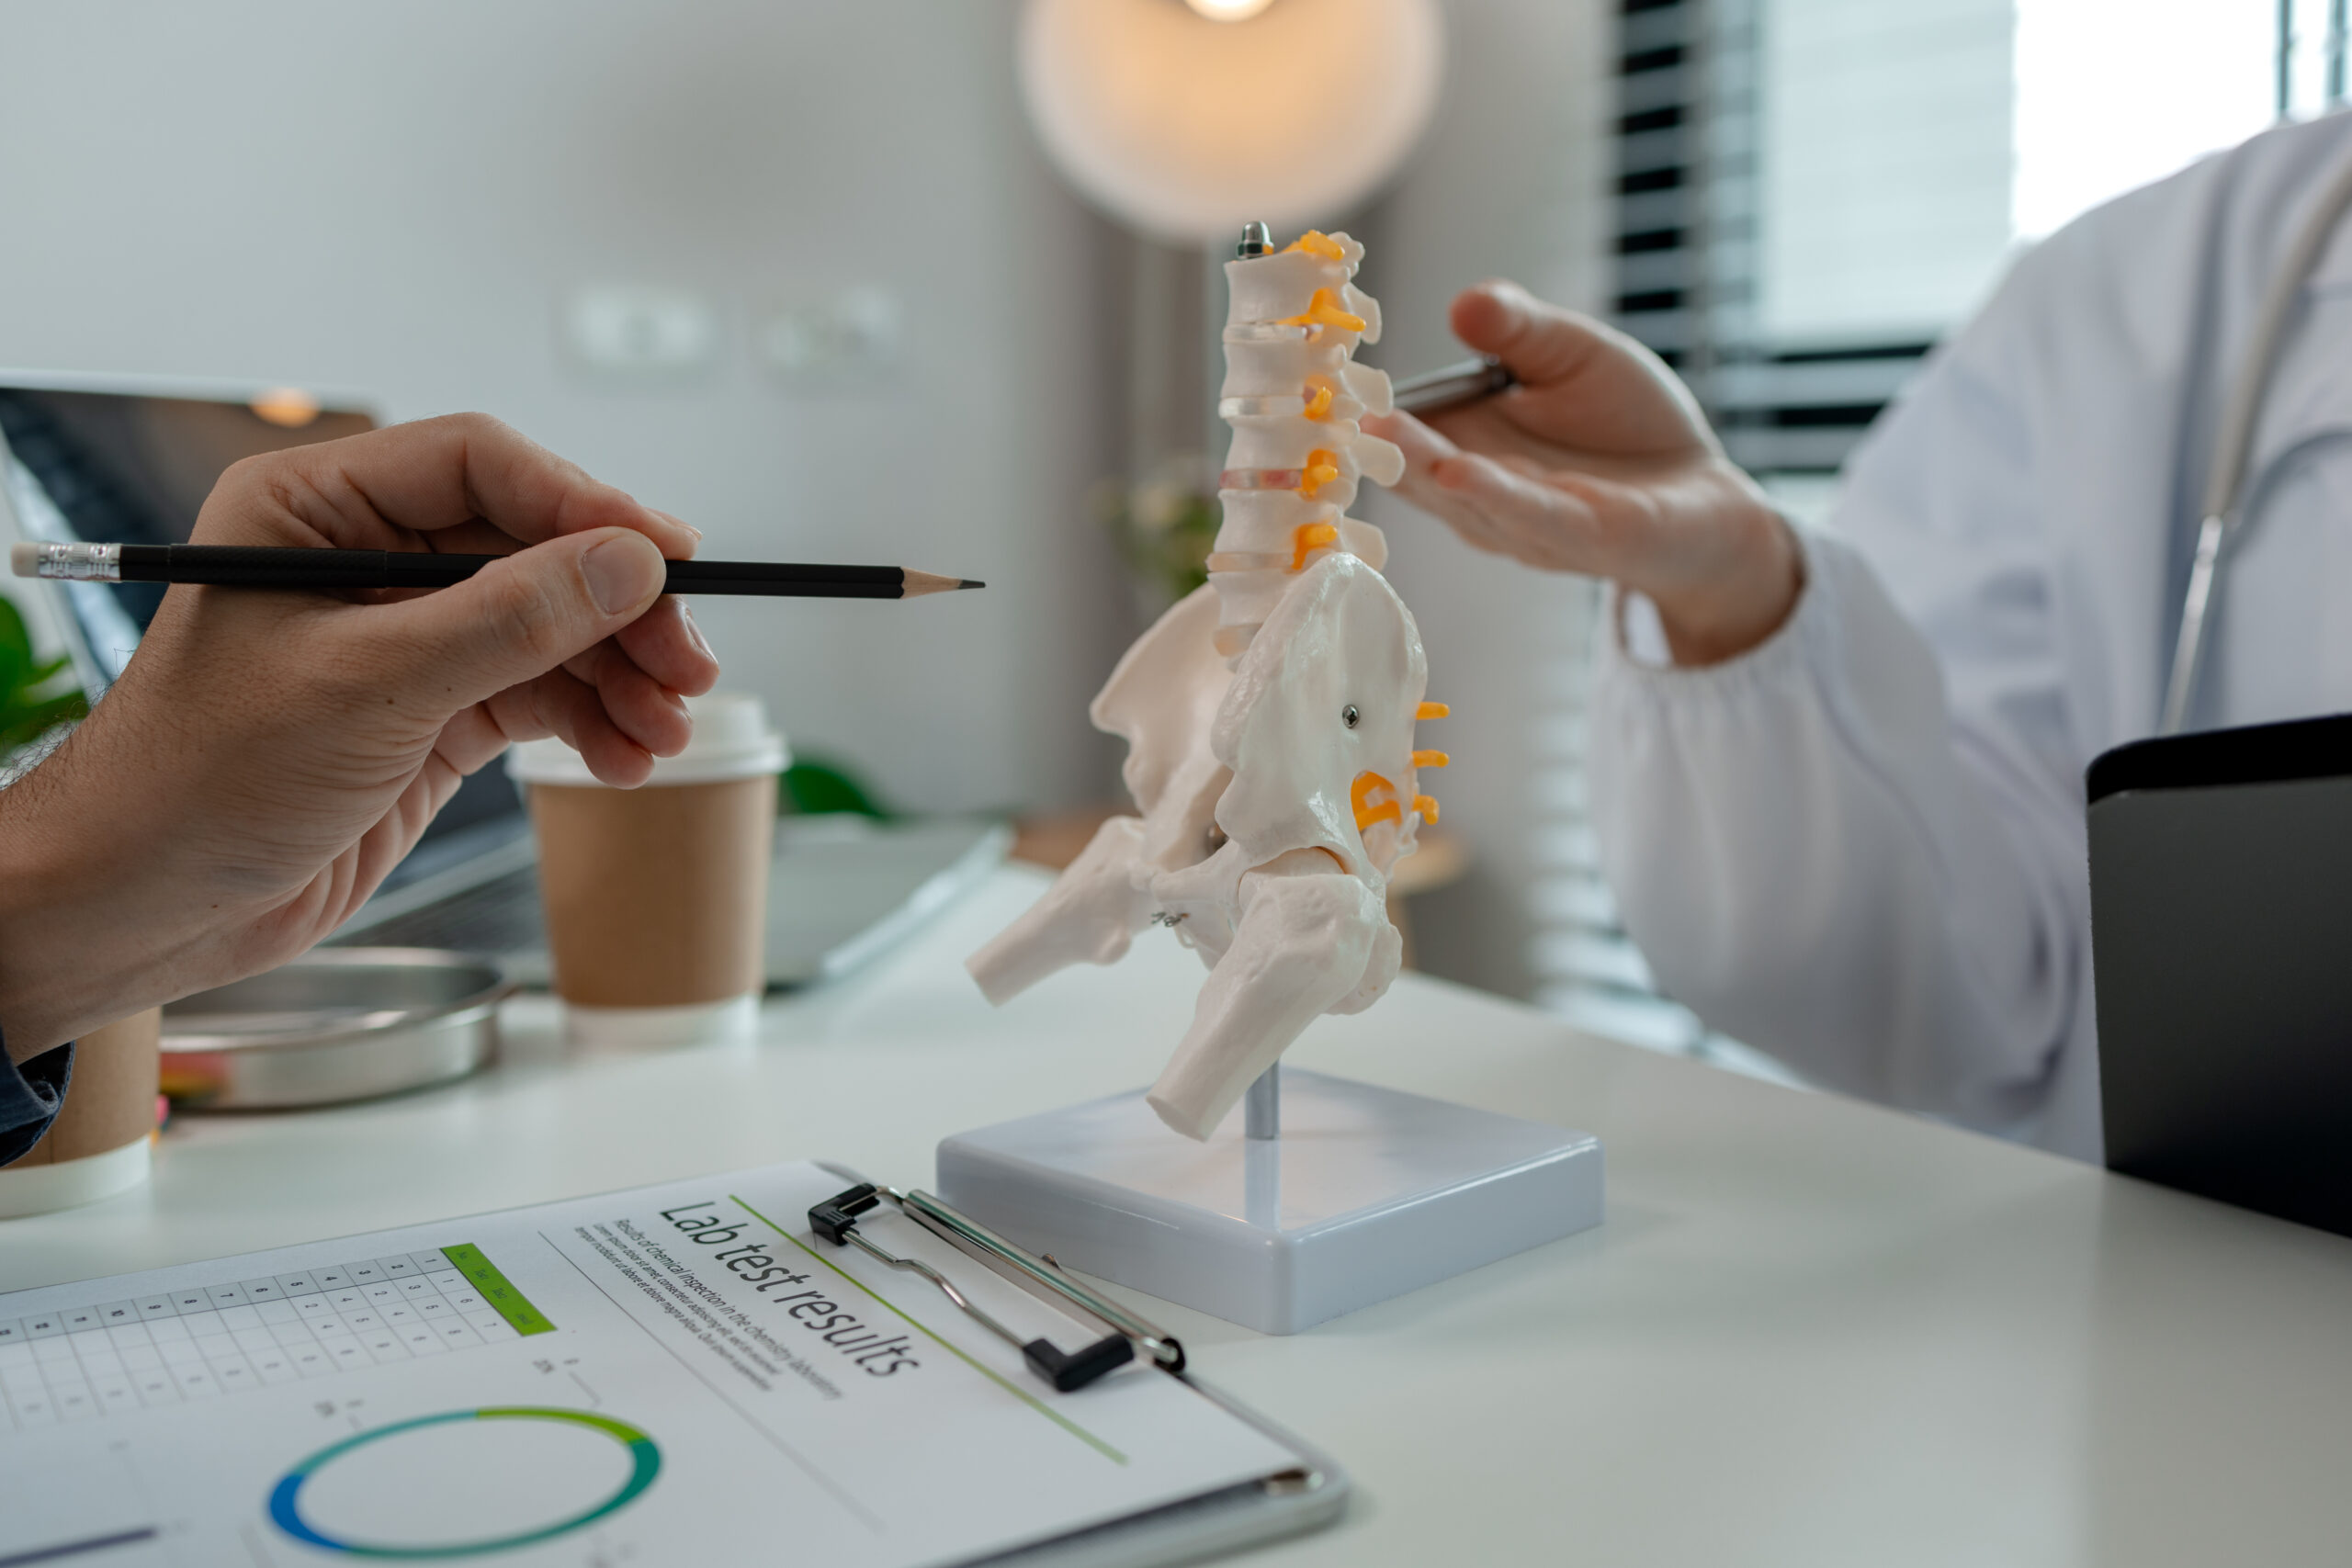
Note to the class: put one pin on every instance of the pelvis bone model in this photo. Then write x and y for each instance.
(1269, 716)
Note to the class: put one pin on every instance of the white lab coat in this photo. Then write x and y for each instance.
(1861, 847)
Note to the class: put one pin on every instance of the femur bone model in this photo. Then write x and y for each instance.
(1269, 716)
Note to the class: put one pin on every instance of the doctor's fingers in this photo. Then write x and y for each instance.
(1539, 521)
(1479, 529)
(1422, 446)
(1425, 449)
(1581, 381)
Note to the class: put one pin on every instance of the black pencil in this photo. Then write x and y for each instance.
(240, 566)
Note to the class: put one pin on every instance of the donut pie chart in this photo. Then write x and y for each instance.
(465, 1483)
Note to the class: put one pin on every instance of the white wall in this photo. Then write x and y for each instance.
(395, 199)
(1511, 181)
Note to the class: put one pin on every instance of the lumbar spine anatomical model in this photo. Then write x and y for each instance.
(1269, 716)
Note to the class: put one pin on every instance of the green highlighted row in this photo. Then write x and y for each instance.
(497, 1289)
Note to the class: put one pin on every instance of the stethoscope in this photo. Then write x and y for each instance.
(2225, 516)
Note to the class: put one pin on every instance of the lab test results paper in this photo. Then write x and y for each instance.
(672, 1374)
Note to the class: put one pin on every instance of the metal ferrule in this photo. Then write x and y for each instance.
(77, 563)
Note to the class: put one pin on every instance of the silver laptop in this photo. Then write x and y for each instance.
(82, 460)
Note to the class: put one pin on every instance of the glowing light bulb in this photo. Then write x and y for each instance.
(1182, 129)
(288, 408)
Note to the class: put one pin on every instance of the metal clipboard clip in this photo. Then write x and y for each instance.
(1126, 1335)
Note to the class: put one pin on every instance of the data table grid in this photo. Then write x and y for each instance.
(85, 1362)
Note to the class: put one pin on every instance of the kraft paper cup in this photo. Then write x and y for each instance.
(100, 1142)
(656, 897)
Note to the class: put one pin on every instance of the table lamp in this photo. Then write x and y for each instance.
(1186, 118)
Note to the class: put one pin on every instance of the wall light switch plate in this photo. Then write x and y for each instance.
(640, 330)
(853, 337)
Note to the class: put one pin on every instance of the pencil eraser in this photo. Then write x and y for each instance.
(25, 559)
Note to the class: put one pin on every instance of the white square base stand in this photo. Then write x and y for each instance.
(1368, 1193)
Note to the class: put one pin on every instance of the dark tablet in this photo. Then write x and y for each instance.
(2222, 935)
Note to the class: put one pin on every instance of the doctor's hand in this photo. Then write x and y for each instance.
(268, 756)
(1601, 463)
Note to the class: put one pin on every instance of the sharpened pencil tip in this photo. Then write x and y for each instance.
(971, 582)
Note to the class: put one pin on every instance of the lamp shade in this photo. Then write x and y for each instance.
(1187, 127)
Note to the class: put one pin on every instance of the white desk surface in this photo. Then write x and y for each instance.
(1810, 1332)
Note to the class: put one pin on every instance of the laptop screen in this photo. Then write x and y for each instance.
(134, 468)
(112, 467)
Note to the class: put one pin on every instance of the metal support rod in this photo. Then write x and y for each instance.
(1261, 1107)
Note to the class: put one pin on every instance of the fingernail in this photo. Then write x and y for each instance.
(694, 630)
(621, 572)
(681, 522)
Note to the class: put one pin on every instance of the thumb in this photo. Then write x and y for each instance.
(519, 617)
(1581, 381)
(1542, 344)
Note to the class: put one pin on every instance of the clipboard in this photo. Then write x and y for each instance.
(615, 1376)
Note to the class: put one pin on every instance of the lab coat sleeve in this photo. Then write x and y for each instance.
(1858, 847)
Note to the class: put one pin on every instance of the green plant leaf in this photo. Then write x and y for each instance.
(813, 788)
(15, 636)
(22, 724)
(27, 711)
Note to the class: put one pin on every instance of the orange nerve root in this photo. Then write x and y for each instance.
(1322, 468)
(1318, 393)
(1325, 310)
(1315, 242)
(1359, 796)
(1307, 538)
(1430, 759)
(1431, 710)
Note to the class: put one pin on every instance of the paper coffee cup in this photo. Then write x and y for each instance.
(99, 1144)
(656, 897)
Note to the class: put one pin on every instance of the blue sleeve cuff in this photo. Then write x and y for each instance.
(29, 1096)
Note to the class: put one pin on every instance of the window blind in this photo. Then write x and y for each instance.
(1742, 217)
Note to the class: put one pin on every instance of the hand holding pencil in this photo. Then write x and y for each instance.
(248, 566)
(267, 757)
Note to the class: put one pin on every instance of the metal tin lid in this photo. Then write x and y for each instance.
(732, 740)
(336, 1024)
